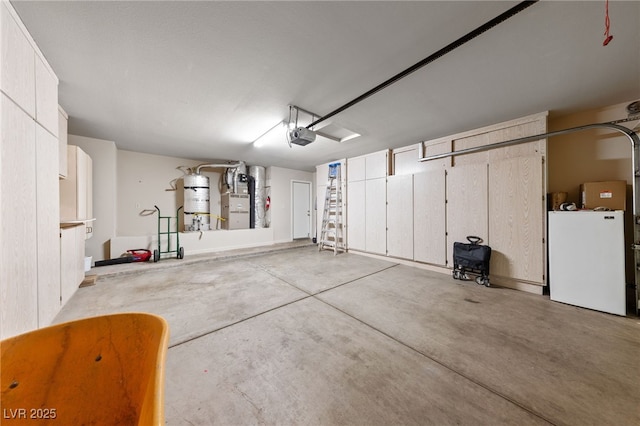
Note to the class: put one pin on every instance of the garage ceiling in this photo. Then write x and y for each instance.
(202, 80)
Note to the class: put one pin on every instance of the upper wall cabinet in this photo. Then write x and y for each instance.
(355, 169)
(76, 193)
(405, 161)
(26, 77)
(18, 65)
(377, 165)
(46, 98)
(370, 166)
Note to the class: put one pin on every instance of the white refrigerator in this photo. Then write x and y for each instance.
(586, 259)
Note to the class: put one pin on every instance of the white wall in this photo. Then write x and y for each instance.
(104, 158)
(144, 180)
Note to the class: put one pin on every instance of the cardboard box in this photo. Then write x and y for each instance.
(610, 194)
(557, 198)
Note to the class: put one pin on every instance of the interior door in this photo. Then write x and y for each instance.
(301, 206)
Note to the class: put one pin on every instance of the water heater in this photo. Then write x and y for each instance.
(196, 203)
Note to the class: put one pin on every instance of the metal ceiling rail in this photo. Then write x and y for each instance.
(448, 48)
(633, 137)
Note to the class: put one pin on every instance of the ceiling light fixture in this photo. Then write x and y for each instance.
(260, 140)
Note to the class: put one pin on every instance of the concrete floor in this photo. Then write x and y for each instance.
(307, 338)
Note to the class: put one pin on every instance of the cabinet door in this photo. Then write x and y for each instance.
(377, 164)
(46, 98)
(400, 216)
(429, 217)
(48, 217)
(467, 206)
(356, 231)
(18, 236)
(516, 218)
(76, 190)
(355, 169)
(71, 261)
(376, 215)
(17, 76)
(68, 189)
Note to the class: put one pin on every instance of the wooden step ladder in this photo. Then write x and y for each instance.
(331, 235)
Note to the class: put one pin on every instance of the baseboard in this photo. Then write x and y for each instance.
(528, 287)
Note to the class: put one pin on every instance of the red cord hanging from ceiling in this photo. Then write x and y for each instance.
(607, 23)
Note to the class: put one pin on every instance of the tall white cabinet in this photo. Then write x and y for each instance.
(29, 233)
(429, 217)
(367, 202)
(400, 216)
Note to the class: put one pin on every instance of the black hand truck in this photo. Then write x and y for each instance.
(179, 251)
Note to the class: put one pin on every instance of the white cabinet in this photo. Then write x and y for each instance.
(367, 203)
(46, 97)
(72, 243)
(63, 137)
(429, 217)
(18, 65)
(356, 169)
(18, 233)
(377, 164)
(376, 216)
(48, 214)
(76, 193)
(400, 216)
(356, 230)
(467, 205)
(516, 218)
(29, 287)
